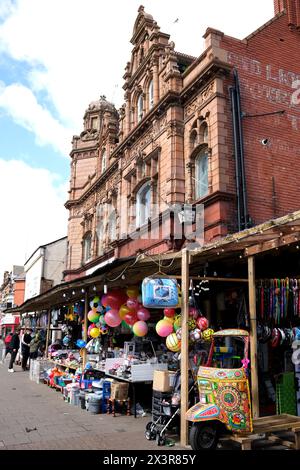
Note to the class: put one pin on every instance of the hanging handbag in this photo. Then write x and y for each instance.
(159, 292)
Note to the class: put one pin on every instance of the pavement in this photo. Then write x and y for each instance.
(34, 416)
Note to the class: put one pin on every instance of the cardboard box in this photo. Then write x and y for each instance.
(119, 391)
(162, 380)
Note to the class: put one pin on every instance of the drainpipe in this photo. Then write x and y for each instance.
(242, 152)
(241, 185)
(232, 92)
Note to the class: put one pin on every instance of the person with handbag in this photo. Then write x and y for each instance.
(25, 347)
(14, 348)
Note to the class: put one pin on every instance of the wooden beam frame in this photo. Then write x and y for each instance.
(184, 361)
(253, 338)
(273, 244)
(48, 333)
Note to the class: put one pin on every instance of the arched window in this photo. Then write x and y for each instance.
(201, 174)
(151, 97)
(100, 235)
(140, 105)
(112, 226)
(143, 204)
(87, 247)
(103, 161)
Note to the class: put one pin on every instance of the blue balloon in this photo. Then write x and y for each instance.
(88, 365)
(80, 343)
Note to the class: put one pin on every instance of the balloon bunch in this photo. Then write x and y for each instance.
(116, 306)
(170, 328)
(127, 307)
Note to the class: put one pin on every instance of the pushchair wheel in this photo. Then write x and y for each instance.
(160, 440)
(150, 432)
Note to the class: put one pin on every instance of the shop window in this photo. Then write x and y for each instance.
(87, 247)
(140, 105)
(151, 97)
(143, 204)
(201, 174)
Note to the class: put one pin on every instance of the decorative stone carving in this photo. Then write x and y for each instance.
(200, 100)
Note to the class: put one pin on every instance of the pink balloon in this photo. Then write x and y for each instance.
(104, 300)
(143, 314)
(112, 318)
(193, 312)
(132, 304)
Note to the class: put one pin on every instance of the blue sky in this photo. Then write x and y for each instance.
(55, 57)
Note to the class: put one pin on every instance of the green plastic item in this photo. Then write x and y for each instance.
(286, 401)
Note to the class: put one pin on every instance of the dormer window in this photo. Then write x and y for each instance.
(151, 97)
(140, 106)
(94, 123)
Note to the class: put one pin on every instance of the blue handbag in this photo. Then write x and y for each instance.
(159, 293)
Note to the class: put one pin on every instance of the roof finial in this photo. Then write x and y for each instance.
(141, 8)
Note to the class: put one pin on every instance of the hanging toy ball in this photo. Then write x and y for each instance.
(202, 323)
(177, 322)
(164, 328)
(95, 332)
(207, 334)
(169, 312)
(178, 333)
(140, 328)
(192, 324)
(173, 343)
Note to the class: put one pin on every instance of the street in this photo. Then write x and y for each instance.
(34, 416)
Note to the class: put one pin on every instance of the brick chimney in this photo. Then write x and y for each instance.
(292, 8)
(279, 6)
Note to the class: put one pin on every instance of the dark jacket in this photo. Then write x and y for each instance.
(15, 342)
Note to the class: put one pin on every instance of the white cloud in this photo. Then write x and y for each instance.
(32, 210)
(20, 103)
(77, 49)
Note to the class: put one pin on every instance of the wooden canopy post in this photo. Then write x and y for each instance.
(48, 333)
(184, 362)
(253, 338)
(85, 328)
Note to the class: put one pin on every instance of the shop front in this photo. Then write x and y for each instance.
(134, 339)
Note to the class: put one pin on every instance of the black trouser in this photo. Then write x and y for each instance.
(25, 356)
(12, 359)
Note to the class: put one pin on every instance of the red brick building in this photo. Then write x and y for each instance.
(220, 130)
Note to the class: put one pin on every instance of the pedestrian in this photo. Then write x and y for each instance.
(7, 342)
(2, 350)
(25, 347)
(14, 347)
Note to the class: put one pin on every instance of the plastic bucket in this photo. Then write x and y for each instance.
(74, 397)
(81, 399)
(93, 403)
